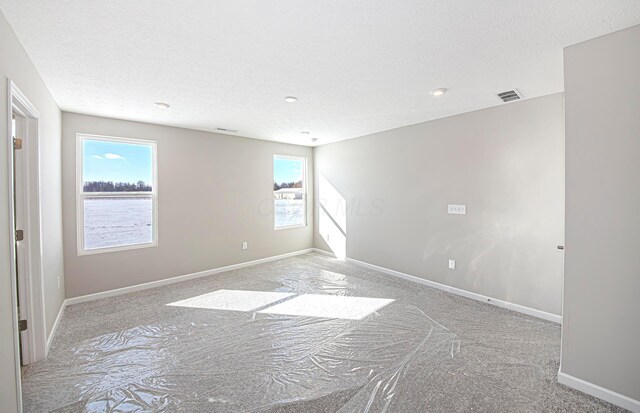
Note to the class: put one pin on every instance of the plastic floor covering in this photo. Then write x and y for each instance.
(304, 334)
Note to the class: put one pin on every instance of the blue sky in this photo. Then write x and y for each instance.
(117, 162)
(287, 170)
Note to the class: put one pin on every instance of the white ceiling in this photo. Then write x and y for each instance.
(357, 67)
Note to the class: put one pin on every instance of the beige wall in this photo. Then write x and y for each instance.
(16, 65)
(505, 163)
(215, 191)
(601, 330)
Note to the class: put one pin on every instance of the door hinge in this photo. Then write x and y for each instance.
(22, 325)
(19, 235)
(17, 143)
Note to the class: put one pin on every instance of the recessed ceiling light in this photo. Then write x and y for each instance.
(290, 99)
(438, 92)
(304, 132)
(314, 140)
(163, 105)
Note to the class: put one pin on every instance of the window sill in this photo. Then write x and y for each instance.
(116, 249)
(289, 227)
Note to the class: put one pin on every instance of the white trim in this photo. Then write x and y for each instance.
(32, 244)
(16, 93)
(173, 280)
(12, 263)
(289, 227)
(125, 247)
(305, 178)
(118, 194)
(323, 252)
(464, 293)
(599, 392)
(55, 325)
(81, 195)
(34, 306)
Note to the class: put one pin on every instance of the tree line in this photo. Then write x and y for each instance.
(108, 186)
(277, 186)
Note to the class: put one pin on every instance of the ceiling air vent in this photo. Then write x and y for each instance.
(510, 95)
(227, 130)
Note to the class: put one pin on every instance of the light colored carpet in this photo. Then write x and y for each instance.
(266, 338)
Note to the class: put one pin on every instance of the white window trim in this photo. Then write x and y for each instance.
(304, 190)
(80, 196)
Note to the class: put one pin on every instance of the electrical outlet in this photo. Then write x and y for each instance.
(452, 264)
(457, 209)
(245, 245)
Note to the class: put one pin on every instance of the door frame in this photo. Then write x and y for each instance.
(35, 307)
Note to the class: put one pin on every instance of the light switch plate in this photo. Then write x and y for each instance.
(452, 264)
(457, 209)
(245, 245)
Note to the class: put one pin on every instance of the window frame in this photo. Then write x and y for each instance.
(304, 190)
(81, 195)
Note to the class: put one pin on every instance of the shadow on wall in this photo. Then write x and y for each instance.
(332, 218)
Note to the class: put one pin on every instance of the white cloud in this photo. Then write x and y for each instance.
(110, 155)
(97, 156)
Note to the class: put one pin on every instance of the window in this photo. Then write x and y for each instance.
(289, 191)
(117, 199)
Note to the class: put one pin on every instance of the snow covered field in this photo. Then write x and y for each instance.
(289, 212)
(112, 222)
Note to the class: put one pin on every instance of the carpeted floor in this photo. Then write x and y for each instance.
(268, 339)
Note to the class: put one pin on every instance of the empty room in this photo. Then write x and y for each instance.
(319, 206)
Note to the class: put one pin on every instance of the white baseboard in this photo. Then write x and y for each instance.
(55, 327)
(599, 392)
(323, 252)
(173, 280)
(468, 294)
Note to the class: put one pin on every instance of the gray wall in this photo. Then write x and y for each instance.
(505, 163)
(16, 65)
(215, 191)
(601, 330)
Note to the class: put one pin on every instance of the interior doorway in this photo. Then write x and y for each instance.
(27, 284)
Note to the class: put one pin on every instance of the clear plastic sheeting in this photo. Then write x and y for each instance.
(197, 357)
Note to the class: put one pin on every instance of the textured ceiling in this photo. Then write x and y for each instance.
(357, 67)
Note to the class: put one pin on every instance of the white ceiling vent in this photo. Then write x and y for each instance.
(509, 95)
(227, 130)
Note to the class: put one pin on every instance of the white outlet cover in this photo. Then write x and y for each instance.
(245, 246)
(452, 264)
(457, 209)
